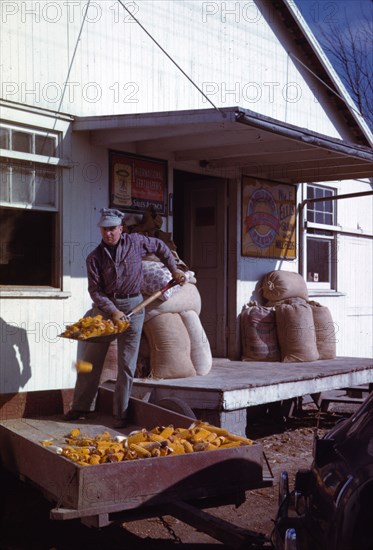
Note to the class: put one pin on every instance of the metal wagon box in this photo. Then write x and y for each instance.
(79, 491)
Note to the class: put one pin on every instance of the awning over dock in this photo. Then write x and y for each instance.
(232, 139)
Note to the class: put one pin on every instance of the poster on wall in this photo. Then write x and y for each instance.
(268, 219)
(137, 182)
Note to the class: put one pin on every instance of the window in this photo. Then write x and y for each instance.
(27, 184)
(320, 240)
(29, 191)
(39, 143)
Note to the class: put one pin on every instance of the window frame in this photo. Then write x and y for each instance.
(12, 166)
(35, 162)
(330, 235)
(33, 132)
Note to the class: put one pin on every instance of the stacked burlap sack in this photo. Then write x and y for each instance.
(289, 327)
(174, 343)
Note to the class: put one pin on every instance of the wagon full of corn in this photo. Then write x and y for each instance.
(167, 464)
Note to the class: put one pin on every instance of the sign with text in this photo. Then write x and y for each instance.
(137, 182)
(268, 219)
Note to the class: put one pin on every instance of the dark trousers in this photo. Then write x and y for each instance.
(128, 348)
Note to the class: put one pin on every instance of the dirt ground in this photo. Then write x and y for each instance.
(287, 444)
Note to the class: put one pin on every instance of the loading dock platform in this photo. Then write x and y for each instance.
(225, 394)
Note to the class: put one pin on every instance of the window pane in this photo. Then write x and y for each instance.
(329, 206)
(45, 145)
(21, 141)
(328, 193)
(4, 138)
(319, 217)
(27, 247)
(4, 182)
(45, 188)
(323, 212)
(318, 260)
(328, 218)
(21, 185)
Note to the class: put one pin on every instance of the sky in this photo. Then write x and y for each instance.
(321, 13)
(326, 15)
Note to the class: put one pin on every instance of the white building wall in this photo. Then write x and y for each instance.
(32, 356)
(118, 69)
(235, 52)
(355, 275)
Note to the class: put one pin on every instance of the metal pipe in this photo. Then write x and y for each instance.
(337, 197)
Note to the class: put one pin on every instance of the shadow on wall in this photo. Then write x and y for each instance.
(257, 268)
(257, 295)
(254, 270)
(15, 369)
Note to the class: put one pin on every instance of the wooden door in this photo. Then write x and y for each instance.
(204, 249)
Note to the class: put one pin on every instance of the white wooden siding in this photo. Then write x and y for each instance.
(227, 48)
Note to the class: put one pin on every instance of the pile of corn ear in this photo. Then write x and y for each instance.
(90, 327)
(160, 441)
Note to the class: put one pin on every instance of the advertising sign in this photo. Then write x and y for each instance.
(137, 182)
(268, 219)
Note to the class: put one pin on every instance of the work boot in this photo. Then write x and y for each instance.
(72, 415)
(120, 422)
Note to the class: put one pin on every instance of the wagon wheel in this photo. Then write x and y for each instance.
(176, 405)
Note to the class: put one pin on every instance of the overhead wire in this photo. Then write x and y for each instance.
(73, 56)
(171, 58)
(64, 88)
(179, 67)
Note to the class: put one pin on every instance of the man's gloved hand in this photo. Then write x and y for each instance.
(179, 276)
(119, 316)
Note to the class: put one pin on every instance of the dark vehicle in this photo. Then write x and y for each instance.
(331, 506)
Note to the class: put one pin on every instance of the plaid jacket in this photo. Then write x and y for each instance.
(124, 275)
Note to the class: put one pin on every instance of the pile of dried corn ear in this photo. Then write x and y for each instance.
(90, 327)
(158, 442)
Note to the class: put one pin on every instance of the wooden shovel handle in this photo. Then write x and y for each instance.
(153, 297)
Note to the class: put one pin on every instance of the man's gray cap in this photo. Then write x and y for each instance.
(110, 217)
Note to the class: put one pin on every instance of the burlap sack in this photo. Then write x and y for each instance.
(279, 285)
(200, 350)
(110, 368)
(156, 276)
(296, 333)
(295, 300)
(143, 368)
(259, 334)
(188, 298)
(325, 331)
(170, 348)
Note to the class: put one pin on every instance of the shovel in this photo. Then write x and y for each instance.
(106, 338)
